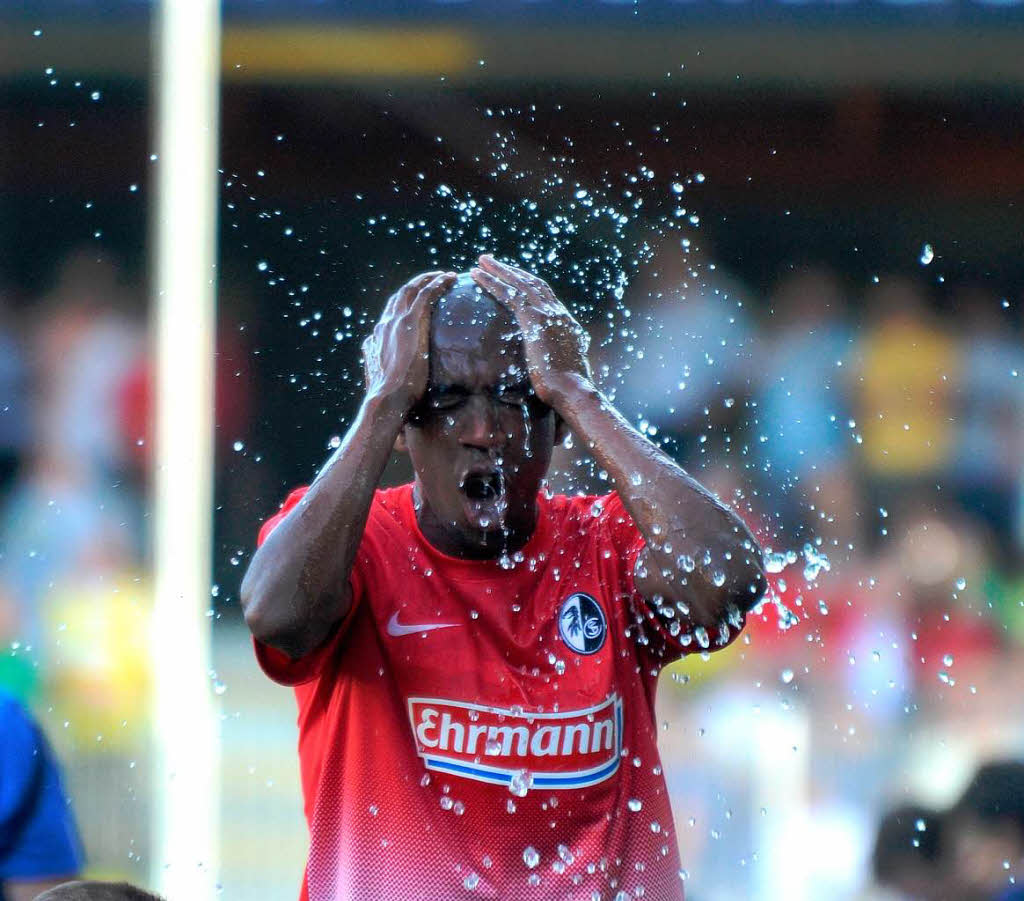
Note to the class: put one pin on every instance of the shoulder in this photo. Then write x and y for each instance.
(17, 728)
(583, 506)
(587, 513)
(20, 755)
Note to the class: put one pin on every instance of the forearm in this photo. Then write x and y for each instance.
(698, 551)
(296, 588)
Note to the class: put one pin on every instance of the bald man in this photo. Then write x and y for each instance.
(475, 659)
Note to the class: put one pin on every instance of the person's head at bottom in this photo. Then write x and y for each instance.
(986, 834)
(96, 891)
(907, 857)
(480, 440)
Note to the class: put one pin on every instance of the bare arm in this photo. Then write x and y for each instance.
(296, 588)
(699, 554)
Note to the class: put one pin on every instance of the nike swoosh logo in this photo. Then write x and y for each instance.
(396, 629)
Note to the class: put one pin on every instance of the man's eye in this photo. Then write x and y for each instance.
(513, 398)
(446, 401)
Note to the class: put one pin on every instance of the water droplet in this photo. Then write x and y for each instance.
(961, 584)
(635, 804)
(262, 265)
(718, 578)
(947, 660)
(471, 882)
(238, 446)
(927, 254)
(786, 675)
(520, 783)
(920, 825)
(95, 95)
(530, 856)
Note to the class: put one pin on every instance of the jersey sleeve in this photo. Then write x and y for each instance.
(662, 638)
(38, 838)
(275, 663)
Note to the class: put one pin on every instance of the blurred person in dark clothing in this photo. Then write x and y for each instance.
(990, 440)
(907, 857)
(803, 399)
(686, 363)
(986, 834)
(39, 845)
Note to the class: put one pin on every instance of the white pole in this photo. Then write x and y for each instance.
(184, 857)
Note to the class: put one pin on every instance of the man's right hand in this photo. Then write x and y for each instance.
(396, 355)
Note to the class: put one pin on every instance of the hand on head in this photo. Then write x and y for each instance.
(555, 344)
(396, 355)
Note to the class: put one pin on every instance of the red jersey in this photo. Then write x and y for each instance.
(472, 730)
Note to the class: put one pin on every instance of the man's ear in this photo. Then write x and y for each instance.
(561, 429)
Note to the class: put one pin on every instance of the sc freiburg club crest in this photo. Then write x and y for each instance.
(581, 623)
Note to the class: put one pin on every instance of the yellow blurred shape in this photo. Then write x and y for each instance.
(98, 655)
(366, 51)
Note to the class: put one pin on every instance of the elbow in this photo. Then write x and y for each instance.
(257, 610)
(269, 630)
(730, 602)
(752, 585)
(254, 613)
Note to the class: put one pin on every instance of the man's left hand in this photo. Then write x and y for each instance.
(555, 344)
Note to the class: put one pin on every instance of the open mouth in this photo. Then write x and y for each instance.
(483, 486)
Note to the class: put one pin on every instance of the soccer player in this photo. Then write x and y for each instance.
(475, 659)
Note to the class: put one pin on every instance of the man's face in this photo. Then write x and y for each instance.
(480, 442)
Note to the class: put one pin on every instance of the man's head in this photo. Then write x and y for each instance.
(96, 891)
(480, 441)
(908, 852)
(987, 829)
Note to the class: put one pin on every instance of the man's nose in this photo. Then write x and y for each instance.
(479, 424)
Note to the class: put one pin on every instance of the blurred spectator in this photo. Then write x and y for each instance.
(690, 349)
(84, 345)
(908, 369)
(941, 556)
(39, 844)
(802, 399)
(69, 514)
(907, 857)
(61, 522)
(986, 834)
(990, 414)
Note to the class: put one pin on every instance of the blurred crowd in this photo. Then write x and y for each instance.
(873, 439)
